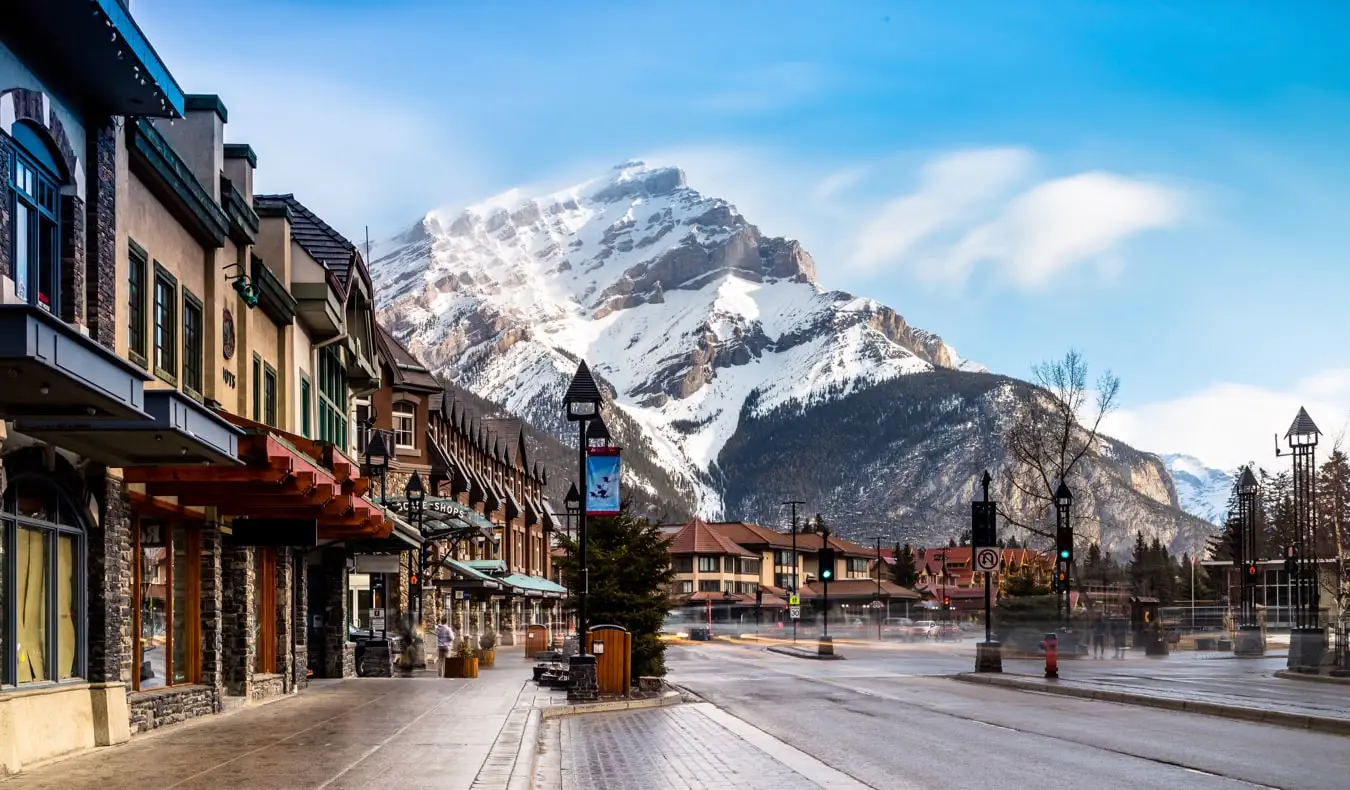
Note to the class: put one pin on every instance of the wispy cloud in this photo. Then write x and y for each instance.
(766, 88)
(1228, 424)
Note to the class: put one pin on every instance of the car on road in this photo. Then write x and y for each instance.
(898, 628)
(925, 629)
(946, 631)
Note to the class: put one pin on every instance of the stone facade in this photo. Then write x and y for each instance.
(338, 657)
(153, 709)
(110, 581)
(261, 686)
(6, 217)
(72, 260)
(213, 647)
(236, 618)
(100, 253)
(299, 623)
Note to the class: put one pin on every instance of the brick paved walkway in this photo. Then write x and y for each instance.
(686, 747)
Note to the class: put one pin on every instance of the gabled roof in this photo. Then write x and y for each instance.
(405, 369)
(697, 537)
(324, 244)
(746, 533)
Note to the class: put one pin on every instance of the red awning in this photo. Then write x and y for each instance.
(285, 476)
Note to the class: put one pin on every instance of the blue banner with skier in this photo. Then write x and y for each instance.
(602, 481)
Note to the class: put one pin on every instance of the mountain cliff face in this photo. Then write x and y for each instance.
(714, 342)
(1202, 490)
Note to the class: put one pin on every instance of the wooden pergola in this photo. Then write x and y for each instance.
(284, 476)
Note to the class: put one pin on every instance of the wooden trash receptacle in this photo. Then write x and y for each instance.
(612, 647)
(536, 640)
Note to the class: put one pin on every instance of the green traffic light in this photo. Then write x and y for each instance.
(1064, 554)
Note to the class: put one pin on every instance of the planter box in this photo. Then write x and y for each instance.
(456, 667)
(487, 658)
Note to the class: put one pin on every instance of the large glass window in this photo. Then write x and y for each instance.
(41, 590)
(269, 395)
(257, 388)
(136, 276)
(304, 407)
(332, 398)
(192, 345)
(362, 428)
(166, 325)
(166, 605)
(708, 564)
(709, 585)
(37, 224)
(405, 418)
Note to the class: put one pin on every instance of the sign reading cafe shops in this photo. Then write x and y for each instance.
(602, 481)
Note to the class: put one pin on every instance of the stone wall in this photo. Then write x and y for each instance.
(212, 667)
(285, 666)
(339, 655)
(236, 618)
(299, 622)
(101, 230)
(262, 686)
(110, 582)
(153, 709)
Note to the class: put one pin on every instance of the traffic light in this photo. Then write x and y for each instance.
(946, 600)
(1064, 544)
(825, 564)
(428, 556)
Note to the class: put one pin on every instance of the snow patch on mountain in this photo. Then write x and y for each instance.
(1202, 490)
(683, 307)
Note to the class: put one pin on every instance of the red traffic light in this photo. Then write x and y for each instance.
(412, 579)
(1251, 570)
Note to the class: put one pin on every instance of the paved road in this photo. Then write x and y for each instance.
(888, 717)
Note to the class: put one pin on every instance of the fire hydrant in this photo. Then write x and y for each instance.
(1051, 644)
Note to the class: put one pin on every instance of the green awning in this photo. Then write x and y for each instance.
(488, 566)
(534, 585)
(471, 574)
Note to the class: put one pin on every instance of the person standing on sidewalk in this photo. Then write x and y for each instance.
(445, 639)
(1099, 637)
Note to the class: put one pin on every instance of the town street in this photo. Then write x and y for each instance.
(890, 716)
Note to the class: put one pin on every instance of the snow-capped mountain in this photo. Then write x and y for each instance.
(715, 343)
(680, 304)
(1202, 490)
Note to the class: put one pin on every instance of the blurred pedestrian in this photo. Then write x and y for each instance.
(1099, 638)
(445, 639)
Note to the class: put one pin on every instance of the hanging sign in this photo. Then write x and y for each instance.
(602, 481)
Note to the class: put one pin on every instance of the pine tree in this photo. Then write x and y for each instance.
(1094, 560)
(629, 571)
(905, 573)
(1333, 516)
(1138, 567)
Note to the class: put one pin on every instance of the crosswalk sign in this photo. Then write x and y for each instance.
(794, 600)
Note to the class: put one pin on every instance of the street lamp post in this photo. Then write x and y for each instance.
(377, 460)
(572, 503)
(582, 403)
(1307, 641)
(876, 608)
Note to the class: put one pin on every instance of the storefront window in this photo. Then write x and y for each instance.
(264, 609)
(32, 591)
(167, 605)
(67, 596)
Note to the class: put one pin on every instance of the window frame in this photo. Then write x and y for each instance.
(306, 410)
(255, 387)
(265, 610)
(193, 356)
(332, 386)
(396, 416)
(270, 395)
(710, 585)
(35, 212)
(164, 340)
(10, 524)
(138, 334)
(709, 563)
(193, 597)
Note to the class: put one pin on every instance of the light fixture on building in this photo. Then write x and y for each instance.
(240, 282)
(377, 459)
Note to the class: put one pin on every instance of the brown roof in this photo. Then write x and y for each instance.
(861, 588)
(749, 534)
(406, 370)
(324, 244)
(697, 537)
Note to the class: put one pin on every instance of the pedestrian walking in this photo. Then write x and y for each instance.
(1099, 638)
(445, 639)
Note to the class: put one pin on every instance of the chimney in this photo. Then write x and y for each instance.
(199, 139)
(240, 162)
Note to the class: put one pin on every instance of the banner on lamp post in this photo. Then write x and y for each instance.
(602, 481)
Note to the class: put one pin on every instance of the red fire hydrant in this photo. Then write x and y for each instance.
(1051, 644)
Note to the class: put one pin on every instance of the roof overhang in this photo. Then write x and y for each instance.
(48, 370)
(101, 57)
(180, 431)
(165, 174)
(319, 308)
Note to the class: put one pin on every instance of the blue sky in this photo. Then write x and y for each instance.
(1164, 186)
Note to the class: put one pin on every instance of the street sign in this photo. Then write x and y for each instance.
(794, 600)
(983, 524)
(795, 612)
(986, 559)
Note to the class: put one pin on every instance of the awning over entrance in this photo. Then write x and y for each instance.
(285, 476)
(465, 577)
(534, 586)
(180, 431)
(50, 371)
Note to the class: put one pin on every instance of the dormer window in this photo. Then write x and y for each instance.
(405, 421)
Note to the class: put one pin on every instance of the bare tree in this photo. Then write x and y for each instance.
(1333, 494)
(1055, 427)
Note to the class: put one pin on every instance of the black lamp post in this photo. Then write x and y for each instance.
(1307, 641)
(573, 504)
(377, 460)
(582, 403)
(793, 586)
(1064, 543)
(1249, 640)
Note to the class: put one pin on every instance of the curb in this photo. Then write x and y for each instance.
(668, 698)
(1287, 675)
(1296, 721)
(797, 652)
(527, 754)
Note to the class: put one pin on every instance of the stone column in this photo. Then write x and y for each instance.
(338, 660)
(300, 621)
(284, 614)
(236, 625)
(212, 612)
(100, 227)
(108, 600)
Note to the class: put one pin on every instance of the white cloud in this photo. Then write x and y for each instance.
(1059, 223)
(1228, 424)
(772, 87)
(952, 190)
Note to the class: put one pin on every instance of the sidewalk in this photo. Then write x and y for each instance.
(420, 732)
(680, 747)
